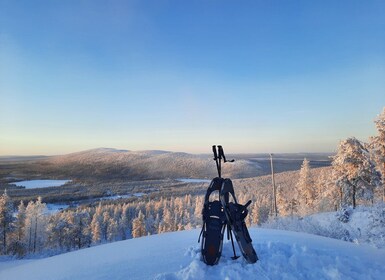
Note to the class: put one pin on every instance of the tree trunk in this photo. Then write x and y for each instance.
(354, 196)
(30, 236)
(35, 236)
(5, 237)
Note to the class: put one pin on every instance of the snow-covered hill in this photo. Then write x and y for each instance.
(283, 255)
(107, 163)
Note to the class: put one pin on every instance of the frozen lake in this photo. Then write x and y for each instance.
(36, 184)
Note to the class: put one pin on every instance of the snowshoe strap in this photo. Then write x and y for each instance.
(200, 235)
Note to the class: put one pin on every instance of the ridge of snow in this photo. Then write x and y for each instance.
(176, 255)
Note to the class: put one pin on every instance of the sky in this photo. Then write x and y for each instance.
(254, 76)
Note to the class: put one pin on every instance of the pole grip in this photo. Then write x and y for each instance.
(215, 152)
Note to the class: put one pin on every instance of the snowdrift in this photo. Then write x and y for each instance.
(283, 255)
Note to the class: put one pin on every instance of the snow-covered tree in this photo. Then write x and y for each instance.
(286, 201)
(168, 222)
(56, 229)
(138, 226)
(377, 144)
(254, 213)
(96, 224)
(354, 172)
(18, 246)
(198, 210)
(328, 197)
(80, 221)
(112, 230)
(20, 221)
(6, 218)
(35, 225)
(305, 189)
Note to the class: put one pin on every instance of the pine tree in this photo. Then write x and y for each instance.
(283, 204)
(96, 231)
(18, 245)
(305, 189)
(123, 226)
(168, 220)
(149, 224)
(377, 144)
(35, 225)
(6, 218)
(20, 221)
(80, 221)
(112, 230)
(104, 224)
(56, 230)
(138, 226)
(96, 224)
(255, 214)
(198, 210)
(354, 172)
(40, 225)
(156, 224)
(328, 194)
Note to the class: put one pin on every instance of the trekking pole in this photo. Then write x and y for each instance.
(216, 160)
(232, 241)
(220, 160)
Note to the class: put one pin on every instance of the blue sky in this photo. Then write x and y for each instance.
(255, 76)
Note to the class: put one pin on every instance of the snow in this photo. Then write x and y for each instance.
(35, 184)
(176, 255)
(364, 225)
(115, 197)
(53, 208)
(189, 180)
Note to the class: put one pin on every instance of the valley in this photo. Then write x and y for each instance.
(103, 174)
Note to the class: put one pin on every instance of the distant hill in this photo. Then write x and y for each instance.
(6, 159)
(107, 163)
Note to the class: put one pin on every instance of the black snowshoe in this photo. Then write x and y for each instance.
(236, 214)
(219, 214)
(214, 223)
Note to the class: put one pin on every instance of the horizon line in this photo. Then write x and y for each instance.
(146, 150)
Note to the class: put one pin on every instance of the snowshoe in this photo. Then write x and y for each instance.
(214, 224)
(235, 215)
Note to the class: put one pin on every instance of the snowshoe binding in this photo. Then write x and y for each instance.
(214, 224)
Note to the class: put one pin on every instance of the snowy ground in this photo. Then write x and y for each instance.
(189, 180)
(364, 225)
(115, 197)
(170, 256)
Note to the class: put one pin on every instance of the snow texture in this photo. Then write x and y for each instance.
(176, 255)
(189, 180)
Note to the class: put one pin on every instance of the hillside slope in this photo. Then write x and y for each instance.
(283, 255)
(106, 163)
